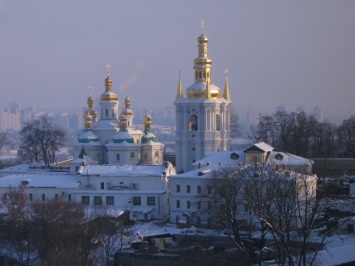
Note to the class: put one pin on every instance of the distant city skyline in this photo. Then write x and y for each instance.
(297, 53)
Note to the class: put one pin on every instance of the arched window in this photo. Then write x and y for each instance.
(132, 155)
(117, 156)
(218, 122)
(113, 113)
(106, 113)
(193, 123)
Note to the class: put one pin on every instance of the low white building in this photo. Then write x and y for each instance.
(188, 203)
(142, 190)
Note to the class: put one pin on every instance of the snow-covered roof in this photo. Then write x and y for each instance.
(200, 86)
(88, 136)
(122, 136)
(261, 146)
(45, 180)
(203, 172)
(124, 170)
(105, 125)
(222, 158)
(233, 157)
(20, 168)
(280, 158)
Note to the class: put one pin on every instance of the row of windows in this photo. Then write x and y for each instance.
(198, 205)
(43, 197)
(132, 155)
(188, 189)
(110, 200)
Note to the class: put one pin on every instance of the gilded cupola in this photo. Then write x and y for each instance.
(203, 72)
(108, 94)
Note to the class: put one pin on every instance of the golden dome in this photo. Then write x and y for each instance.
(198, 91)
(202, 38)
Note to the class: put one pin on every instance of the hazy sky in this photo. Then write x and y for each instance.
(297, 53)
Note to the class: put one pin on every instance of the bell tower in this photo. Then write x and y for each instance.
(202, 115)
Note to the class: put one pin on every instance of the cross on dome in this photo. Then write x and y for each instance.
(108, 66)
(202, 25)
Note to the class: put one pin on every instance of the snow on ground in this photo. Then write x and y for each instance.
(339, 248)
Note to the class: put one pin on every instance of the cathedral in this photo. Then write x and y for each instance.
(111, 138)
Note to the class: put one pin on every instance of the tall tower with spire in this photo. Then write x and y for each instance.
(203, 115)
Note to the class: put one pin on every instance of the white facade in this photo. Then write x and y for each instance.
(142, 190)
(188, 201)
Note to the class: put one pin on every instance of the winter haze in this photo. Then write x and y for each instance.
(297, 53)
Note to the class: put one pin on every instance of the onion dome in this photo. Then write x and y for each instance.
(198, 90)
(88, 120)
(123, 122)
(123, 134)
(148, 135)
(87, 137)
(127, 103)
(108, 94)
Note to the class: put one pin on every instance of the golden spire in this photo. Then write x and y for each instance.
(226, 94)
(179, 89)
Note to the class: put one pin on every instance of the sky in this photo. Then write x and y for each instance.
(296, 53)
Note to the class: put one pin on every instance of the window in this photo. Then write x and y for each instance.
(145, 156)
(193, 123)
(43, 197)
(4, 197)
(132, 155)
(218, 122)
(151, 201)
(69, 197)
(113, 113)
(234, 156)
(177, 188)
(56, 196)
(85, 200)
(102, 185)
(97, 200)
(188, 204)
(110, 200)
(199, 205)
(198, 189)
(137, 201)
(156, 154)
(106, 113)
(178, 204)
(117, 156)
(188, 188)
(30, 197)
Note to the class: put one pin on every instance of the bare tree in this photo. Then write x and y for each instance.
(6, 143)
(273, 201)
(346, 135)
(41, 139)
(16, 229)
(234, 124)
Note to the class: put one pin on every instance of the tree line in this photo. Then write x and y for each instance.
(58, 232)
(303, 135)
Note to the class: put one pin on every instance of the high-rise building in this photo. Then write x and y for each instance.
(202, 115)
